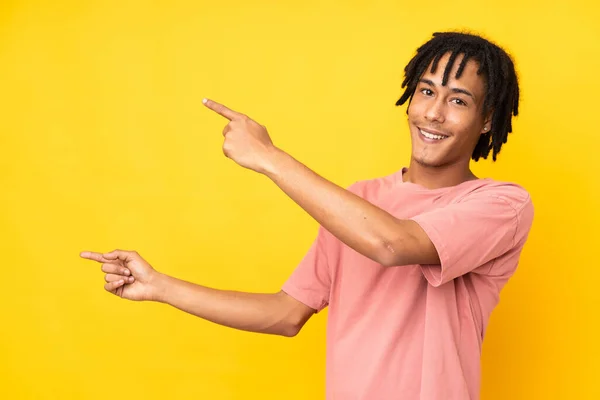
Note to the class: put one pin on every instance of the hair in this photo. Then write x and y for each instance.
(497, 68)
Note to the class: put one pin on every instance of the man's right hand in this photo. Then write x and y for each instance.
(128, 275)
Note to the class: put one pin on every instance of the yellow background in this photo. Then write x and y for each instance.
(105, 144)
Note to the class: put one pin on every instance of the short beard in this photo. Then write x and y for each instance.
(426, 164)
(421, 161)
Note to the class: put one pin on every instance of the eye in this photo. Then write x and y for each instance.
(427, 92)
(459, 102)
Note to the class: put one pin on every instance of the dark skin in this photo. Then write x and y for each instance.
(371, 231)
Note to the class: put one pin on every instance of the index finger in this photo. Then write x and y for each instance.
(222, 110)
(90, 255)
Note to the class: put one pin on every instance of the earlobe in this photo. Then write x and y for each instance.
(487, 122)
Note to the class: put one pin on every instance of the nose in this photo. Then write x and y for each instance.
(435, 111)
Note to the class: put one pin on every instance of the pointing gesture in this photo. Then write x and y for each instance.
(222, 110)
(128, 275)
(246, 141)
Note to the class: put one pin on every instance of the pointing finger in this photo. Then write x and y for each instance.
(90, 255)
(222, 110)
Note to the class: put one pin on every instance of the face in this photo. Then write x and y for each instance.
(446, 122)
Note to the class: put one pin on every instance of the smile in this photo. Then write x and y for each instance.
(432, 136)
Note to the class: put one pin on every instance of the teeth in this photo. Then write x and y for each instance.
(432, 136)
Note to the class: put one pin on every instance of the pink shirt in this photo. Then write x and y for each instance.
(415, 332)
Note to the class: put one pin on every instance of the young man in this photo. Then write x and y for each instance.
(410, 265)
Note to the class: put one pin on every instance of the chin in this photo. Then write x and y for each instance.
(427, 156)
(429, 163)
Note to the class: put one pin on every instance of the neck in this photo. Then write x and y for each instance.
(438, 177)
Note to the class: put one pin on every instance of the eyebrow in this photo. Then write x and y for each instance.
(453, 89)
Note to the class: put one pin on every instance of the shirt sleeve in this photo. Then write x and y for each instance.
(470, 233)
(310, 283)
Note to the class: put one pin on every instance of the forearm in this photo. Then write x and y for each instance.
(255, 312)
(359, 224)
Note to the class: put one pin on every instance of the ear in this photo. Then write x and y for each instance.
(487, 123)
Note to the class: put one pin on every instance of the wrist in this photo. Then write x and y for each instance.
(160, 283)
(276, 159)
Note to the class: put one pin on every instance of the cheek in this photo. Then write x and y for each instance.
(415, 109)
(461, 124)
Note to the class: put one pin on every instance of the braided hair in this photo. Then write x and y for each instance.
(502, 87)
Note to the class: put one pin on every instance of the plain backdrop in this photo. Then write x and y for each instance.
(104, 144)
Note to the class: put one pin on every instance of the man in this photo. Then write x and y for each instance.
(410, 265)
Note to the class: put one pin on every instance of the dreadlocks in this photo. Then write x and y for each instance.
(502, 87)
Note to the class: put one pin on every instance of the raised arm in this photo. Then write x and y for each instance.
(366, 228)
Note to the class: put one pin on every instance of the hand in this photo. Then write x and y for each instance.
(128, 275)
(246, 141)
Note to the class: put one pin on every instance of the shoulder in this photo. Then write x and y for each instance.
(511, 193)
(369, 188)
(501, 201)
